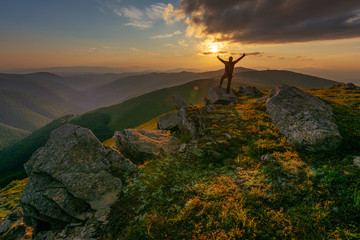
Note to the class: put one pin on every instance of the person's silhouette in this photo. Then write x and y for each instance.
(229, 69)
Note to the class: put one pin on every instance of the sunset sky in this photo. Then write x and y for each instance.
(320, 37)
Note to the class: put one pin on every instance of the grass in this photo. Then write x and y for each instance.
(10, 197)
(243, 181)
(226, 188)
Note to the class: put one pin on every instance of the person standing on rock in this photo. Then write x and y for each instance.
(229, 69)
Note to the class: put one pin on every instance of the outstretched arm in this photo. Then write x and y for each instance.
(220, 59)
(240, 58)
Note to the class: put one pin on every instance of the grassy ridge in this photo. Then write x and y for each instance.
(10, 135)
(226, 189)
(103, 122)
(129, 114)
(13, 159)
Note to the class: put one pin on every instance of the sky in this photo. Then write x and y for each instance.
(319, 37)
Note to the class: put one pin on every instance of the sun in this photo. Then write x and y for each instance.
(214, 47)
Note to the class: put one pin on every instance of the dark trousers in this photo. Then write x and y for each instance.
(229, 77)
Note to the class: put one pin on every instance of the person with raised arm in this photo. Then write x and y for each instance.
(229, 69)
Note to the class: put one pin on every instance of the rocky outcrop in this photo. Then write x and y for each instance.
(168, 122)
(305, 120)
(193, 124)
(248, 91)
(13, 227)
(140, 145)
(73, 179)
(345, 86)
(218, 95)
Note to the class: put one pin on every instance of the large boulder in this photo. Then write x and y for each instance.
(140, 145)
(248, 91)
(218, 95)
(168, 122)
(305, 120)
(73, 178)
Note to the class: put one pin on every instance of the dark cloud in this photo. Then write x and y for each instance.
(218, 52)
(274, 21)
(258, 54)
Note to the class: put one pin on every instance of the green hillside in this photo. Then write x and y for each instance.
(225, 189)
(128, 114)
(103, 122)
(29, 112)
(14, 157)
(131, 113)
(10, 135)
(273, 78)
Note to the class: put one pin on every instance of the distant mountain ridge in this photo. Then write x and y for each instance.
(137, 110)
(29, 101)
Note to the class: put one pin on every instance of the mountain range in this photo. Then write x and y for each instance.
(33, 100)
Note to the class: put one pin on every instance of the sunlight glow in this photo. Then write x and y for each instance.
(214, 48)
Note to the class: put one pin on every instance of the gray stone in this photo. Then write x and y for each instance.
(305, 120)
(263, 99)
(357, 161)
(218, 95)
(191, 124)
(347, 86)
(248, 91)
(140, 145)
(168, 122)
(180, 102)
(269, 158)
(182, 148)
(13, 227)
(72, 178)
(228, 135)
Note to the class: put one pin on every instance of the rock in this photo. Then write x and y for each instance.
(182, 148)
(345, 86)
(71, 179)
(263, 99)
(168, 122)
(357, 161)
(180, 102)
(189, 123)
(228, 135)
(269, 158)
(140, 145)
(13, 227)
(305, 120)
(218, 95)
(248, 91)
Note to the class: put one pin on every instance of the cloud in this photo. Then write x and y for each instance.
(269, 21)
(183, 43)
(170, 14)
(257, 54)
(155, 11)
(170, 35)
(135, 17)
(218, 52)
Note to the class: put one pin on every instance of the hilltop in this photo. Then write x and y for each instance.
(137, 110)
(242, 179)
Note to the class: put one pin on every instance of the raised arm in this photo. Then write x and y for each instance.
(240, 58)
(220, 59)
